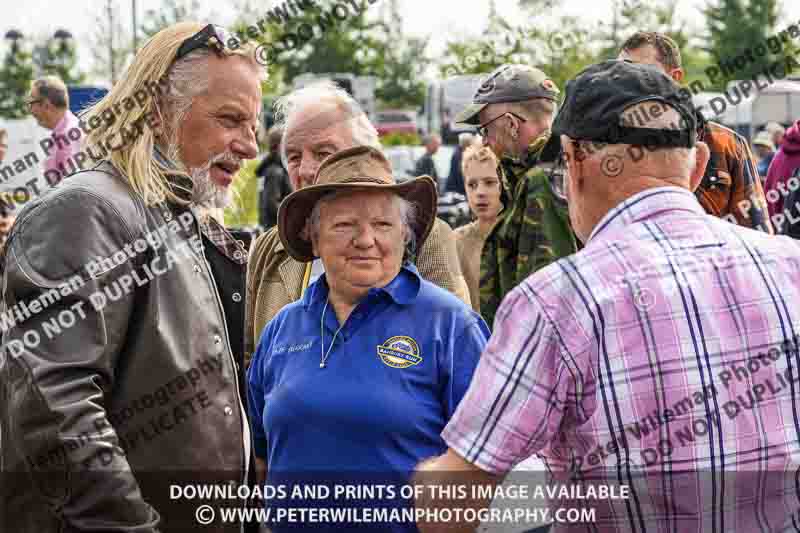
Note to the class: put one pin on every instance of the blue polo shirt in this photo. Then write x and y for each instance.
(394, 377)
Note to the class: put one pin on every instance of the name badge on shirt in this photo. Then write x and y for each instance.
(292, 348)
(399, 352)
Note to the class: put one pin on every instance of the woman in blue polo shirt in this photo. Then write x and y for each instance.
(353, 383)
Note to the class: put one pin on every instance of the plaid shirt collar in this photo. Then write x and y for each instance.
(213, 230)
(644, 205)
(223, 240)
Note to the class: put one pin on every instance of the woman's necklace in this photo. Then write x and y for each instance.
(324, 355)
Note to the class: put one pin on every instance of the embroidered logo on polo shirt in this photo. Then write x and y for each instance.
(399, 352)
(287, 348)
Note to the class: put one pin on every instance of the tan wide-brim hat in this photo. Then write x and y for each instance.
(356, 169)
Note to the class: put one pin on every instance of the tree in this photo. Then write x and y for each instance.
(58, 57)
(734, 27)
(500, 42)
(16, 76)
(400, 74)
(559, 46)
(330, 37)
(109, 43)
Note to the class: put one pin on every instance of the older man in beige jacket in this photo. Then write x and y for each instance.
(320, 120)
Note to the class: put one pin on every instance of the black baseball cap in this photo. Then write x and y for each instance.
(508, 83)
(599, 95)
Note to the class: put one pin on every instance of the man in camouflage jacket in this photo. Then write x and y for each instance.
(513, 109)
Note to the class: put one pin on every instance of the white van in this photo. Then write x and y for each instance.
(444, 99)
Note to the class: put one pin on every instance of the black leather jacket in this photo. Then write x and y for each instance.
(119, 377)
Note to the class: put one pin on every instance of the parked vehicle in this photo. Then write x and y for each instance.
(84, 96)
(747, 108)
(395, 121)
(453, 208)
(362, 88)
(402, 159)
(444, 99)
(779, 102)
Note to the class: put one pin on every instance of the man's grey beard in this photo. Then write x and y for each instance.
(206, 193)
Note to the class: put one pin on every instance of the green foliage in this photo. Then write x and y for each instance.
(244, 212)
(16, 76)
(109, 43)
(400, 139)
(400, 74)
(561, 48)
(346, 37)
(735, 27)
(330, 37)
(400, 81)
(58, 57)
(499, 43)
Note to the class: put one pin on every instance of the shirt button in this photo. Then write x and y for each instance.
(197, 269)
(228, 411)
(236, 297)
(237, 254)
(217, 339)
(167, 216)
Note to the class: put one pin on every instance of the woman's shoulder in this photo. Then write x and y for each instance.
(433, 298)
(284, 321)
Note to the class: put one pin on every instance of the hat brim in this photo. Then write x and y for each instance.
(469, 115)
(296, 208)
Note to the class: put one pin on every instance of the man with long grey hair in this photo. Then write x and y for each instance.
(121, 370)
(319, 120)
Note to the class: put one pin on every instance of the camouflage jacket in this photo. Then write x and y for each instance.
(532, 231)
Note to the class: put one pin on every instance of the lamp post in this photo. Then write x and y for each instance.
(14, 36)
(62, 36)
(135, 37)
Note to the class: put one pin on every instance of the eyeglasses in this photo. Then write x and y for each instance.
(483, 129)
(558, 177)
(30, 103)
(212, 36)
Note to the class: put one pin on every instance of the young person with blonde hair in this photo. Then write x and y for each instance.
(479, 166)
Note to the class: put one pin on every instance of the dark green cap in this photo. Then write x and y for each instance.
(508, 83)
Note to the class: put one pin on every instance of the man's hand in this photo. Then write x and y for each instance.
(447, 482)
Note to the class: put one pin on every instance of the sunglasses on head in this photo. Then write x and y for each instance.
(212, 36)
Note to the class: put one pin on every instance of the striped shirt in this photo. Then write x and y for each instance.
(662, 357)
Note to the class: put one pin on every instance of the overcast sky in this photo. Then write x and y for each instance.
(437, 18)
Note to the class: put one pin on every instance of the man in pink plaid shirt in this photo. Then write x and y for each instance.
(659, 363)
